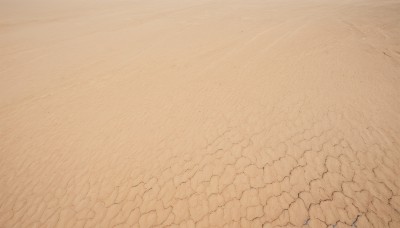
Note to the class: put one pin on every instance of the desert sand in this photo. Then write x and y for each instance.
(206, 113)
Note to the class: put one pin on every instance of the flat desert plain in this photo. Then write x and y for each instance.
(200, 113)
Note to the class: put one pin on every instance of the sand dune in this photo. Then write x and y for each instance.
(204, 113)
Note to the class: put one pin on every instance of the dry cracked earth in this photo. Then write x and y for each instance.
(259, 113)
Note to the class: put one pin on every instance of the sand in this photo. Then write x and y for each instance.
(203, 113)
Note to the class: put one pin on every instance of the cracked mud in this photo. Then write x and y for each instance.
(200, 114)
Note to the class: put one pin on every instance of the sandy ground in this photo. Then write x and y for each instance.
(200, 113)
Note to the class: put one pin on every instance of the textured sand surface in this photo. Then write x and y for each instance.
(200, 113)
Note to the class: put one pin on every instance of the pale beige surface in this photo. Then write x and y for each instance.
(208, 113)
